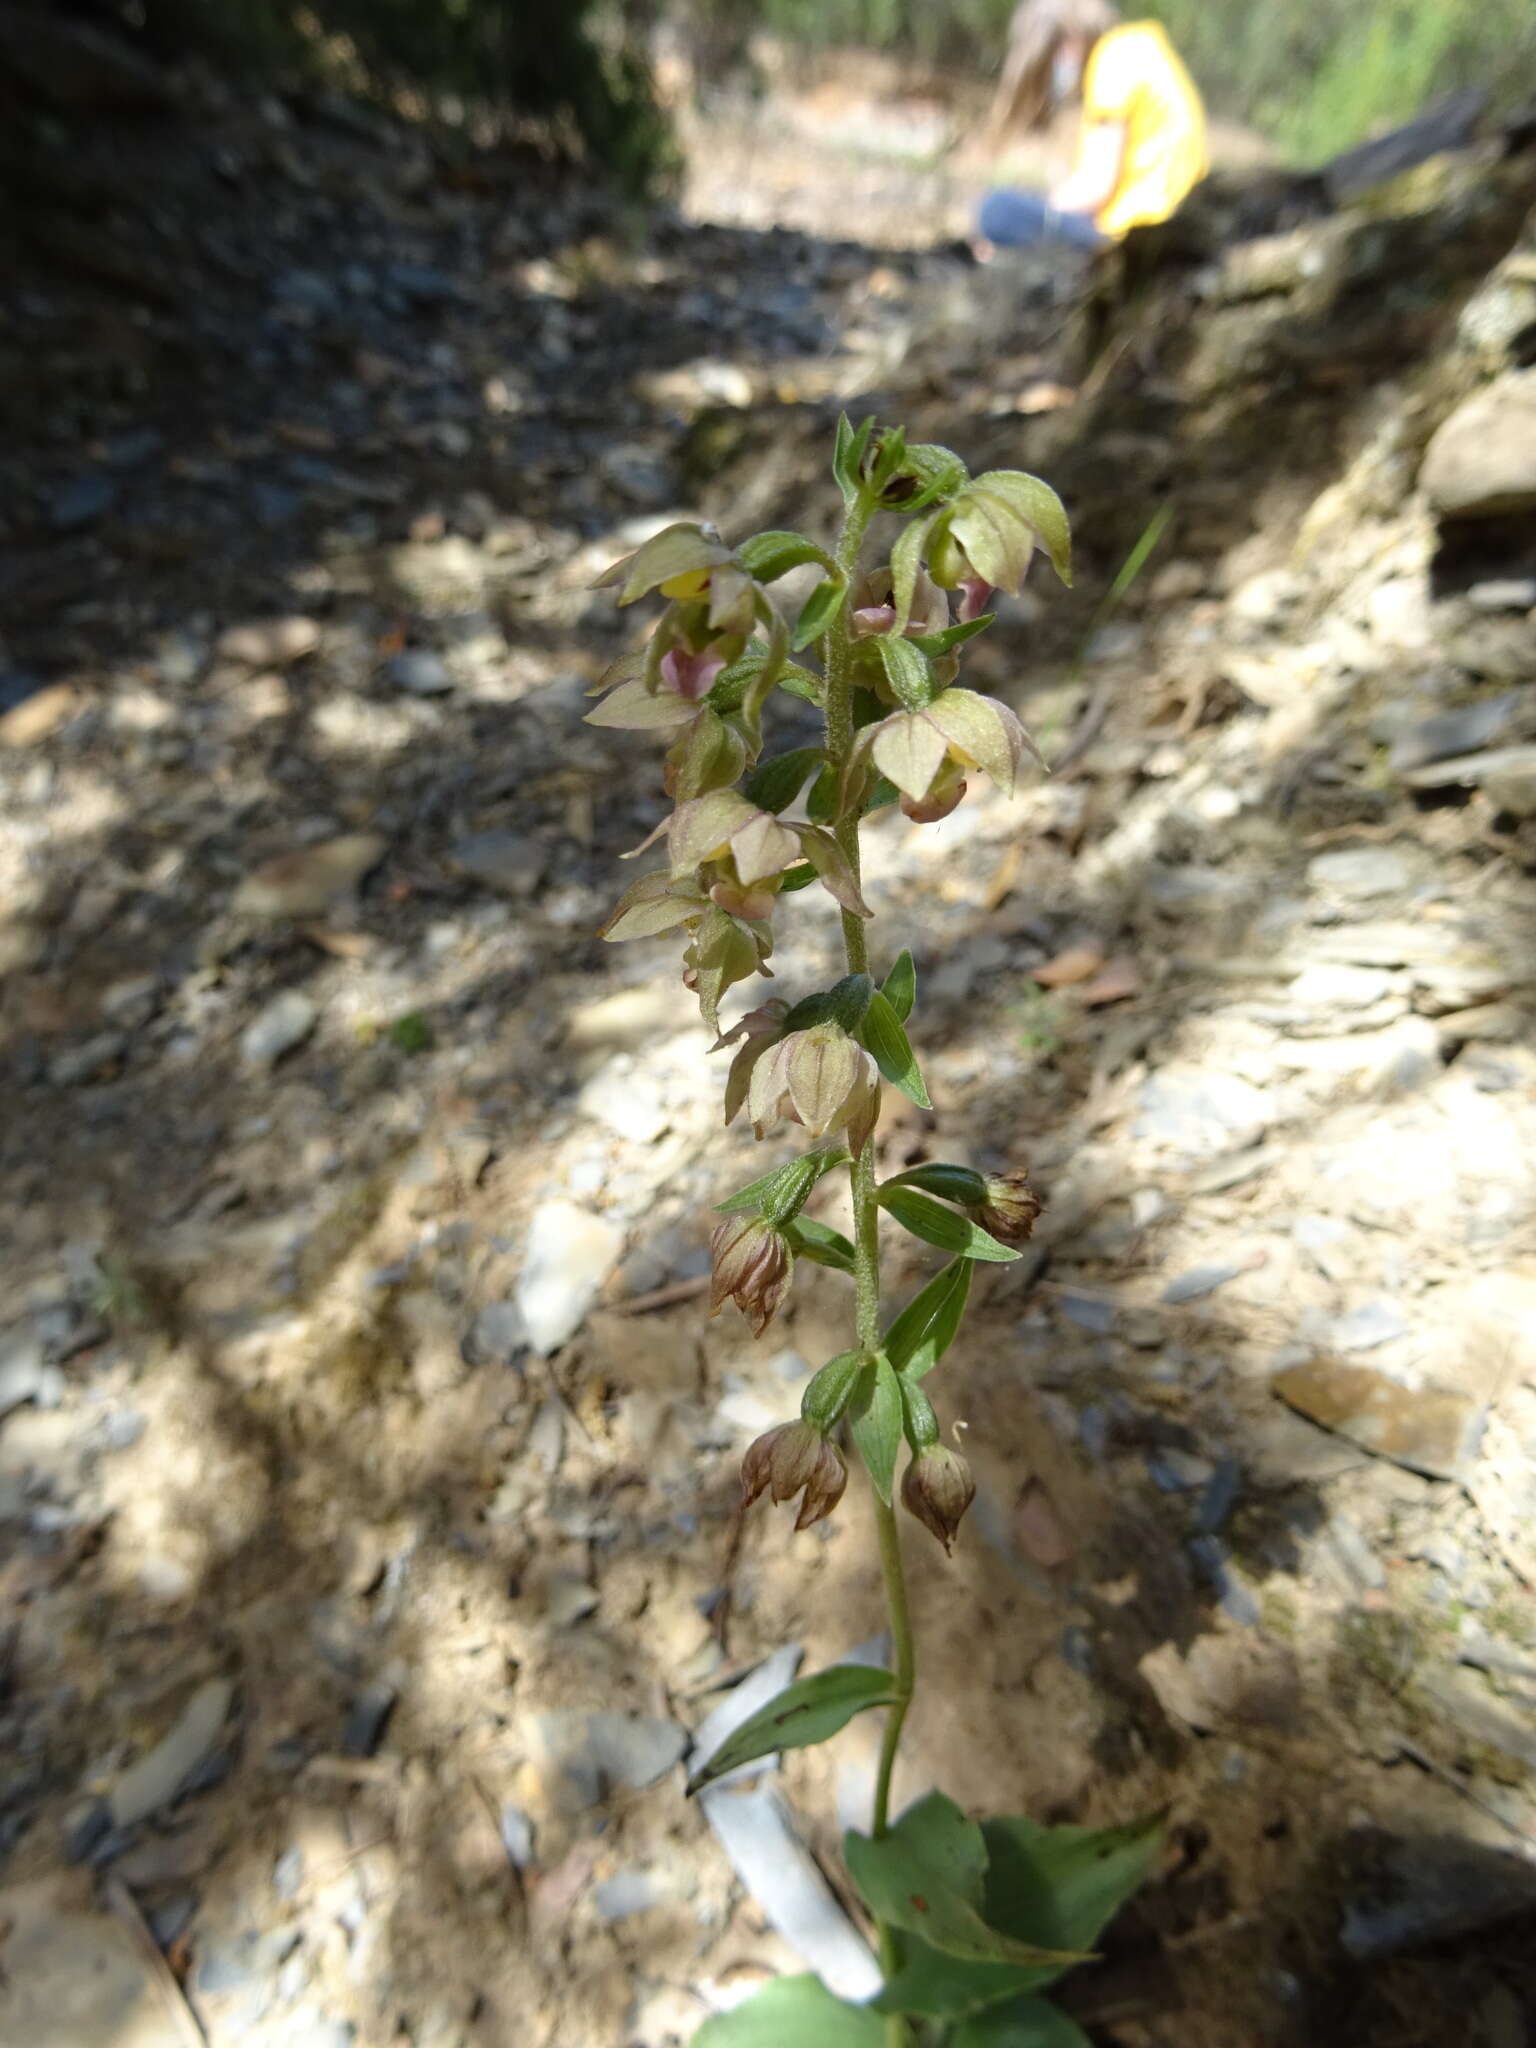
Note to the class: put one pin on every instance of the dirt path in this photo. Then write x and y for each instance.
(424, 1571)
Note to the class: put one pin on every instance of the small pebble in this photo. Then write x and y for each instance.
(1199, 1281)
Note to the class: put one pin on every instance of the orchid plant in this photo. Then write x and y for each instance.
(972, 1919)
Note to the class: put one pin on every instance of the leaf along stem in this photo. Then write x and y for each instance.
(866, 1219)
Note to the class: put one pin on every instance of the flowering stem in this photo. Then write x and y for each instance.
(839, 736)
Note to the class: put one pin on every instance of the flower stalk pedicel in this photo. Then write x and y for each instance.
(885, 644)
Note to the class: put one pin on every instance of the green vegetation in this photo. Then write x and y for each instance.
(1315, 76)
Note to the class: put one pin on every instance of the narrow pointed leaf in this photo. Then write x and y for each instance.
(875, 1413)
(908, 672)
(900, 986)
(793, 2012)
(906, 560)
(779, 1194)
(962, 1184)
(798, 878)
(926, 1877)
(848, 455)
(818, 612)
(844, 1003)
(819, 1243)
(925, 1329)
(767, 556)
(808, 1712)
(936, 1225)
(953, 636)
(885, 1037)
(773, 785)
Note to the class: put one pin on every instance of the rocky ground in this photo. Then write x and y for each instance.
(367, 1463)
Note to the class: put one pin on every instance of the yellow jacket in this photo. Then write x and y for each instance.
(1135, 77)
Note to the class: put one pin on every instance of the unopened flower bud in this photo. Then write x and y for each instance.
(1010, 1208)
(752, 1265)
(937, 1487)
(795, 1458)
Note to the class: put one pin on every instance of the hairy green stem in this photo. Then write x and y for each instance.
(866, 1226)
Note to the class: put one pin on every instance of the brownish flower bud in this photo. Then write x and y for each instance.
(938, 1488)
(944, 793)
(753, 1266)
(791, 1459)
(1010, 1208)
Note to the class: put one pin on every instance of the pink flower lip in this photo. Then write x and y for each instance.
(691, 675)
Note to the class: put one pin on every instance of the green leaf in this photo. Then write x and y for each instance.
(774, 784)
(926, 1878)
(1023, 2023)
(939, 1986)
(819, 1243)
(882, 793)
(909, 673)
(848, 456)
(925, 1329)
(1063, 1885)
(884, 1036)
(818, 612)
(936, 1225)
(890, 447)
(801, 682)
(800, 877)
(1053, 1885)
(793, 2012)
(900, 986)
(953, 636)
(767, 556)
(960, 1184)
(876, 1416)
(906, 560)
(777, 1196)
(821, 804)
(810, 1711)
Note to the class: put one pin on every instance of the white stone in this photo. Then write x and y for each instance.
(285, 1022)
(570, 1254)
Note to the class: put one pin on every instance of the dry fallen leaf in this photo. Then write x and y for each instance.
(1117, 979)
(1077, 963)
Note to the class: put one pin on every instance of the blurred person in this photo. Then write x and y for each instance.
(1141, 146)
